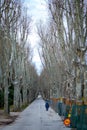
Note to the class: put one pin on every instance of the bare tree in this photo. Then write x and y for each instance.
(14, 57)
(60, 43)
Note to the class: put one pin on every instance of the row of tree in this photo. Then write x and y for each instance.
(16, 70)
(63, 49)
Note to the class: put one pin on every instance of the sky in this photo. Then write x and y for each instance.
(37, 9)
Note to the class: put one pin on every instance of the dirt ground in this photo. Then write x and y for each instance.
(5, 120)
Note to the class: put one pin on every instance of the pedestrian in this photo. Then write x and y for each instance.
(47, 106)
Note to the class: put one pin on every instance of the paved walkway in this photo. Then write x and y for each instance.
(35, 117)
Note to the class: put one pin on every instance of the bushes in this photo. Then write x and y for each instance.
(10, 96)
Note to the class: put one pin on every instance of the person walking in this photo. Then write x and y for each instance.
(47, 106)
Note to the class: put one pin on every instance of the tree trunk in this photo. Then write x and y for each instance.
(6, 92)
(24, 95)
(16, 97)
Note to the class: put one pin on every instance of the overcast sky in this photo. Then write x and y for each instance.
(37, 9)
